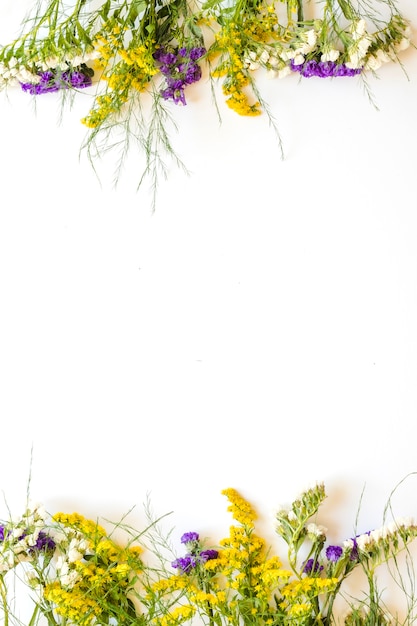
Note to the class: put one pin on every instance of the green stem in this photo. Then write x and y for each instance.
(3, 594)
(34, 617)
(300, 11)
(373, 604)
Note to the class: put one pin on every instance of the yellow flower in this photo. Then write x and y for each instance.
(240, 509)
(299, 609)
(77, 521)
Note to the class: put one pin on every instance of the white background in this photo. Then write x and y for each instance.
(258, 330)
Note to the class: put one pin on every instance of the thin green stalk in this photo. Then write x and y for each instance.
(3, 595)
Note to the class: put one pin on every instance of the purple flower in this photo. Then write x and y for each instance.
(190, 537)
(333, 553)
(46, 84)
(310, 68)
(342, 70)
(54, 81)
(180, 69)
(323, 69)
(166, 58)
(185, 563)
(44, 543)
(177, 95)
(326, 69)
(208, 555)
(296, 67)
(197, 53)
(354, 555)
(79, 80)
(193, 74)
(2, 532)
(175, 83)
(312, 566)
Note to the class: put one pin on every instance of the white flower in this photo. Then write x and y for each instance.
(355, 61)
(91, 56)
(76, 550)
(38, 511)
(74, 555)
(282, 73)
(274, 61)
(291, 516)
(67, 577)
(264, 58)
(364, 541)
(50, 63)
(252, 61)
(330, 55)
(382, 56)
(362, 45)
(379, 533)
(252, 55)
(372, 63)
(309, 37)
(316, 531)
(12, 82)
(358, 29)
(24, 76)
(348, 544)
(286, 71)
(10, 74)
(299, 59)
(76, 60)
(287, 55)
(403, 44)
(32, 579)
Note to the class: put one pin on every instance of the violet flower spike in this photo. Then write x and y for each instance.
(208, 555)
(180, 69)
(185, 563)
(312, 566)
(333, 553)
(44, 543)
(189, 537)
(323, 69)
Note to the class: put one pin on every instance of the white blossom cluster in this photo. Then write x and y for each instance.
(363, 50)
(385, 539)
(316, 531)
(20, 536)
(14, 72)
(71, 546)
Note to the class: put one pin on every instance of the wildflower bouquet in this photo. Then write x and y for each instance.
(144, 55)
(75, 571)
(78, 573)
(241, 583)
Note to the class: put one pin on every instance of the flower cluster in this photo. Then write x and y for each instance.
(180, 68)
(323, 69)
(24, 540)
(195, 555)
(151, 51)
(77, 572)
(49, 80)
